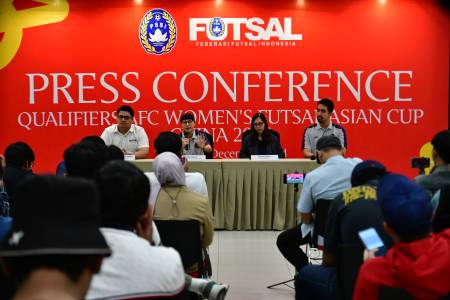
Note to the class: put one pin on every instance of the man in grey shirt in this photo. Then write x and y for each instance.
(325, 182)
(440, 175)
(323, 127)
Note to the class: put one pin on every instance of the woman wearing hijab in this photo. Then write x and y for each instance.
(260, 140)
(176, 202)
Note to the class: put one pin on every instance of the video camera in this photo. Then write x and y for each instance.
(420, 163)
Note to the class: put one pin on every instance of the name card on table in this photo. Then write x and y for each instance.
(195, 157)
(129, 157)
(264, 157)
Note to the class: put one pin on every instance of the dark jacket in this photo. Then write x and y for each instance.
(261, 148)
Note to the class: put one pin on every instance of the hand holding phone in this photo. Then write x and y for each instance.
(372, 241)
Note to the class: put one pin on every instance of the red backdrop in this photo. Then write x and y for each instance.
(384, 63)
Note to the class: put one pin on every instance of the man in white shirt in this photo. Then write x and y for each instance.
(129, 137)
(325, 182)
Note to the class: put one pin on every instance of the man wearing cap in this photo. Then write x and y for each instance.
(129, 137)
(325, 182)
(55, 245)
(419, 260)
(323, 127)
(195, 142)
(353, 210)
(440, 175)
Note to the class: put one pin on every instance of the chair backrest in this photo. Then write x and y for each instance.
(349, 259)
(441, 219)
(184, 236)
(391, 293)
(320, 221)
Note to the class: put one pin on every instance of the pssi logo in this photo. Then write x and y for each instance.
(158, 32)
(254, 29)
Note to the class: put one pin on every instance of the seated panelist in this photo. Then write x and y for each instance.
(129, 137)
(195, 142)
(260, 140)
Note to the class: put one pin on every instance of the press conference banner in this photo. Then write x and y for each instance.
(66, 66)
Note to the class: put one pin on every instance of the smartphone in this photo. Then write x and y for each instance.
(371, 239)
(293, 178)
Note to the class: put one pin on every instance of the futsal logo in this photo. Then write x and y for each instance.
(158, 32)
(216, 27)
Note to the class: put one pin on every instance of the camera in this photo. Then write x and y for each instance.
(420, 162)
(293, 178)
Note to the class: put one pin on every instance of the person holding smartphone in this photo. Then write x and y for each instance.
(195, 142)
(351, 211)
(419, 261)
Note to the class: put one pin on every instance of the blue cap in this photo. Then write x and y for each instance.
(405, 205)
(367, 170)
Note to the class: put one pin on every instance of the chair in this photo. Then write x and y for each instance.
(349, 260)
(184, 236)
(391, 293)
(320, 222)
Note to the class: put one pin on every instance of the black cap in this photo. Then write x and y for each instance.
(327, 142)
(55, 215)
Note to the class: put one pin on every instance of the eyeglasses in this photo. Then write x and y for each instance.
(186, 122)
(122, 117)
(258, 124)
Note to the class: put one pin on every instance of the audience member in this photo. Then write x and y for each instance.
(151, 272)
(260, 140)
(323, 127)
(440, 175)
(354, 210)
(168, 141)
(419, 260)
(325, 182)
(114, 153)
(55, 245)
(85, 158)
(19, 161)
(176, 202)
(5, 219)
(129, 137)
(61, 169)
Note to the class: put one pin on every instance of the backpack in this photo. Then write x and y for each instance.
(4, 203)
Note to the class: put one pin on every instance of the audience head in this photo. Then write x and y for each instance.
(93, 139)
(84, 159)
(56, 227)
(187, 121)
(406, 207)
(328, 146)
(169, 170)
(441, 147)
(124, 193)
(368, 170)
(19, 155)
(168, 141)
(114, 153)
(324, 109)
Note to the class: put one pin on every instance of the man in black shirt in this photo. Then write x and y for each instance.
(354, 210)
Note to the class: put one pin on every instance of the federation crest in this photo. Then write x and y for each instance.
(216, 27)
(158, 32)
